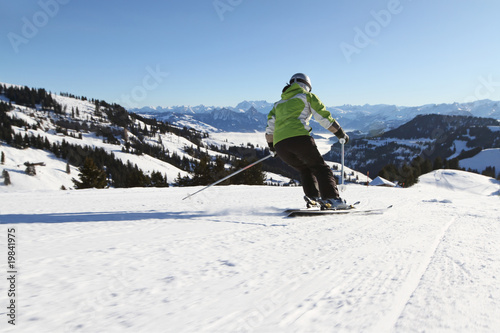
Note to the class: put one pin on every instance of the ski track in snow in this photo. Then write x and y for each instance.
(226, 260)
(410, 285)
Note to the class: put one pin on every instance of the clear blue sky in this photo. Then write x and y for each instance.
(221, 52)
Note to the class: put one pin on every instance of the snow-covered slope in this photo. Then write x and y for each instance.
(78, 121)
(52, 176)
(487, 157)
(143, 260)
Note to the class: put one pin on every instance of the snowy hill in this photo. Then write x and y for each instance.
(78, 114)
(143, 260)
(66, 129)
(485, 158)
(52, 176)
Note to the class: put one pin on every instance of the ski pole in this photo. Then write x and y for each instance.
(342, 186)
(227, 177)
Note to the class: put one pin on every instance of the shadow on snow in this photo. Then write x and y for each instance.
(80, 217)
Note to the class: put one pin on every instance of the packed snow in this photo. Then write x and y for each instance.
(227, 260)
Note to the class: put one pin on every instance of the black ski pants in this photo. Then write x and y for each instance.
(302, 154)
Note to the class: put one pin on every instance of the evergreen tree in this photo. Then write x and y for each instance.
(202, 172)
(438, 163)
(97, 110)
(255, 176)
(182, 181)
(251, 176)
(157, 179)
(91, 176)
(136, 178)
(389, 172)
(426, 166)
(2, 160)
(489, 171)
(219, 171)
(454, 164)
(6, 177)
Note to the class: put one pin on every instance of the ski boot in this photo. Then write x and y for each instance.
(312, 202)
(334, 204)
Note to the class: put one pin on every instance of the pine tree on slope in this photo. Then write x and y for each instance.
(91, 176)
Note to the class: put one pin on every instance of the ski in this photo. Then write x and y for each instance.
(350, 210)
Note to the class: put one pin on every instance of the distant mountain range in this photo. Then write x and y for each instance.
(429, 137)
(381, 134)
(261, 106)
(250, 116)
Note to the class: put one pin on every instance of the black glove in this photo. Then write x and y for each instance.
(271, 148)
(342, 135)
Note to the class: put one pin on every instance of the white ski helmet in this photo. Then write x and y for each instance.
(301, 77)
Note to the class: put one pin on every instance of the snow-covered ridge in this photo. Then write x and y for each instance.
(261, 106)
(365, 118)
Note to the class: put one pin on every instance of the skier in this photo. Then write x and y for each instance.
(288, 135)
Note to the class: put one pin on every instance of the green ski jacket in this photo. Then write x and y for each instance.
(291, 115)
